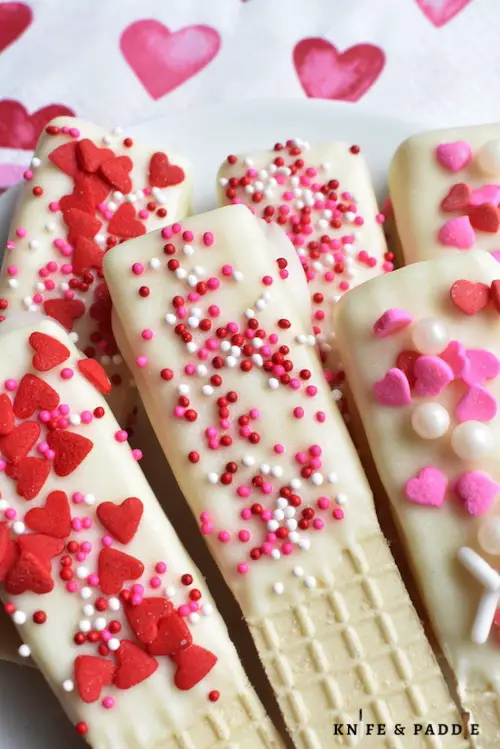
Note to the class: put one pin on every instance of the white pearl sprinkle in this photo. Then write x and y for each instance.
(304, 544)
(207, 390)
(84, 625)
(279, 515)
(295, 484)
(100, 623)
(68, 685)
(290, 511)
(207, 609)
(191, 280)
(19, 617)
(248, 460)
(3, 505)
(281, 503)
(170, 318)
(73, 337)
(24, 651)
(223, 181)
(86, 593)
(181, 273)
(273, 383)
(50, 226)
(261, 304)
(82, 573)
(237, 275)
(183, 389)
(88, 610)
(194, 618)
(332, 477)
(89, 499)
(213, 478)
(298, 571)
(265, 469)
(257, 360)
(278, 589)
(198, 271)
(75, 420)
(248, 161)
(105, 360)
(341, 499)
(201, 370)
(272, 525)
(117, 359)
(291, 524)
(170, 591)
(191, 347)
(193, 322)
(310, 582)
(35, 162)
(155, 263)
(225, 346)
(231, 361)
(34, 245)
(13, 283)
(317, 479)
(249, 313)
(114, 643)
(114, 604)
(276, 554)
(18, 527)
(311, 340)
(277, 472)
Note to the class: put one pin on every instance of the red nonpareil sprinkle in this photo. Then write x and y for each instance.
(187, 579)
(144, 291)
(214, 695)
(81, 728)
(39, 617)
(355, 149)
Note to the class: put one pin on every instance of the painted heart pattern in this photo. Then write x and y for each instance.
(18, 129)
(326, 73)
(161, 59)
(441, 12)
(15, 18)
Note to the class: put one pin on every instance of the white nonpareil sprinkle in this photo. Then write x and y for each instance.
(201, 370)
(68, 685)
(187, 249)
(276, 554)
(105, 360)
(35, 162)
(332, 477)
(291, 524)
(257, 342)
(3, 505)
(19, 617)
(317, 479)
(114, 643)
(265, 469)
(13, 283)
(193, 322)
(231, 362)
(73, 337)
(278, 589)
(155, 263)
(191, 280)
(257, 360)
(294, 537)
(75, 420)
(84, 625)
(82, 573)
(194, 618)
(277, 472)
(100, 623)
(213, 478)
(225, 346)
(50, 226)
(272, 525)
(170, 318)
(281, 502)
(88, 610)
(261, 304)
(191, 347)
(181, 274)
(183, 389)
(18, 527)
(304, 544)
(223, 181)
(117, 359)
(86, 593)
(310, 582)
(24, 651)
(249, 313)
(279, 515)
(34, 245)
(114, 604)
(273, 383)
(170, 591)
(295, 484)
(207, 390)
(298, 571)
(341, 499)
(248, 460)
(207, 609)
(89, 499)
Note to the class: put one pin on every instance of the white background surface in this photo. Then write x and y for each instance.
(30, 717)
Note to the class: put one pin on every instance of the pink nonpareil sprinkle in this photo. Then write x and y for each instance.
(107, 541)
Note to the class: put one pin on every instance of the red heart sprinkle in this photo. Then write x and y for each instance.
(173, 635)
(54, 519)
(97, 186)
(28, 573)
(90, 157)
(470, 298)
(122, 521)
(144, 618)
(124, 224)
(484, 217)
(82, 198)
(162, 173)
(49, 352)
(92, 674)
(41, 546)
(193, 665)
(116, 172)
(65, 311)
(6, 415)
(86, 255)
(31, 474)
(95, 374)
(9, 551)
(406, 363)
(32, 394)
(115, 568)
(495, 295)
(458, 199)
(134, 665)
(64, 158)
(80, 224)
(70, 450)
(16, 445)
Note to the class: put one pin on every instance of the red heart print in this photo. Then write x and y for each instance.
(6, 415)
(326, 73)
(64, 158)
(49, 352)
(14, 20)
(9, 551)
(32, 394)
(144, 618)
(121, 521)
(406, 363)
(115, 568)
(70, 450)
(162, 173)
(28, 573)
(116, 172)
(41, 546)
(54, 519)
(124, 224)
(31, 474)
(81, 224)
(458, 198)
(163, 60)
(18, 129)
(16, 445)
(193, 664)
(82, 198)
(470, 298)
(90, 157)
(92, 674)
(440, 12)
(173, 635)
(485, 217)
(134, 665)
(86, 255)
(495, 295)
(95, 374)
(65, 311)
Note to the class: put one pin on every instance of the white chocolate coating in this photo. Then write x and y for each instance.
(418, 183)
(432, 535)
(32, 252)
(153, 712)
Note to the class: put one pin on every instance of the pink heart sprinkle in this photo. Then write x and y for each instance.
(477, 491)
(476, 405)
(486, 194)
(432, 376)
(393, 389)
(428, 487)
(454, 156)
(391, 321)
(456, 358)
(457, 232)
(483, 365)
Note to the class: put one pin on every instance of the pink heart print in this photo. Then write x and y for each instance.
(483, 365)
(393, 389)
(477, 404)
(163, 60)
(440, 12)
(14, 20)
(432, 376)
(477, 491)
(326, 73)
(428, 487)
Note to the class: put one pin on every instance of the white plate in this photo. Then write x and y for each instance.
(29, 715)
